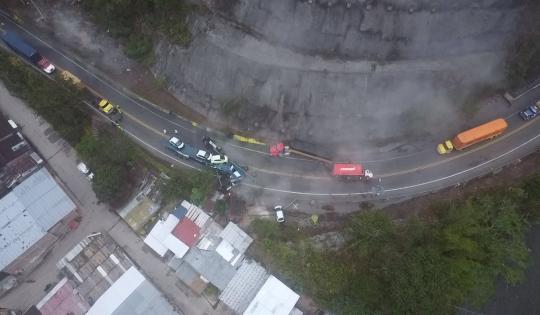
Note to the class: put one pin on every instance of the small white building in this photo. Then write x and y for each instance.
(274, 298)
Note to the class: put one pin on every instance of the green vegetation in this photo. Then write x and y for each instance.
(191, 185)
(427, 265)
(136, 22)
(110, 156)
(58, 103)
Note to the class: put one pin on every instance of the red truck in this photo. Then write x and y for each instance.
(349, 171)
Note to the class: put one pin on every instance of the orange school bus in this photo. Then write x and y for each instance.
(472, 136)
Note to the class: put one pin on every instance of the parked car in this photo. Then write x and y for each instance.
(85, 170)
(218, 159)
(280, 216)
(203, 156)
(529, 112)
(225, 185)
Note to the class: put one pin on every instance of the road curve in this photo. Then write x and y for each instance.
(396, 176)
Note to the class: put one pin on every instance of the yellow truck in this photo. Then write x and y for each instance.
(68, 76)
(474, 135)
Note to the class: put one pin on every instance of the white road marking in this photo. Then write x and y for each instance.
(99, 79)
(250, 185)
(398, 188)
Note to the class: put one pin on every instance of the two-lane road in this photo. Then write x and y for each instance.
(396, 175)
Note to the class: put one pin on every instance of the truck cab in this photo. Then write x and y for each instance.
(445, 147)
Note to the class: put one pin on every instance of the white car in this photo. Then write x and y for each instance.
(203, 156)
(175, 142)
(85, 170)
(280, 217)
(218, 159)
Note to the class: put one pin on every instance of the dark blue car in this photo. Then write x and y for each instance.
(529, 112)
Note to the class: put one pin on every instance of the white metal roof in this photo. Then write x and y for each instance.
(236, 237)
(226, 250)
(117, 293)
(175, 245)
(160, 238)
(274, 298)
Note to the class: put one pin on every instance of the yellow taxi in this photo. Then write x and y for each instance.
(445, 147)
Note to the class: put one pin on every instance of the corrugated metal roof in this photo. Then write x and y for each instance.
(44, 199)
(236, 237)
(131, 294)
(195, 214)
(28, 212)
(211, 266)
(243, 287)
(145, 300)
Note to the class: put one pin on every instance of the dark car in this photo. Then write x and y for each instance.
(529, 112)
(212, 145)
(225, 185)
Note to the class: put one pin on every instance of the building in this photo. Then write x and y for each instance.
(100, 279)
(132, 294)
(274, 298)
(34, 209)
(32, 217)
(17, 159)
(210, 254)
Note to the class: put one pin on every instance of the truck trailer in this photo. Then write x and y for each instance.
(24, 49)
(474, 135)
(349, 171)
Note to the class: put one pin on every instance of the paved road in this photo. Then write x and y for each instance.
(62, 162)
(397, 175)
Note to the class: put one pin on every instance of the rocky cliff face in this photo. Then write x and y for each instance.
(328, 72)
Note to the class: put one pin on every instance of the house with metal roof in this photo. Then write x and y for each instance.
(216, 255)
(103, 281)
(131, 294)
(243, 287)
(27, 213)
(274, 298)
